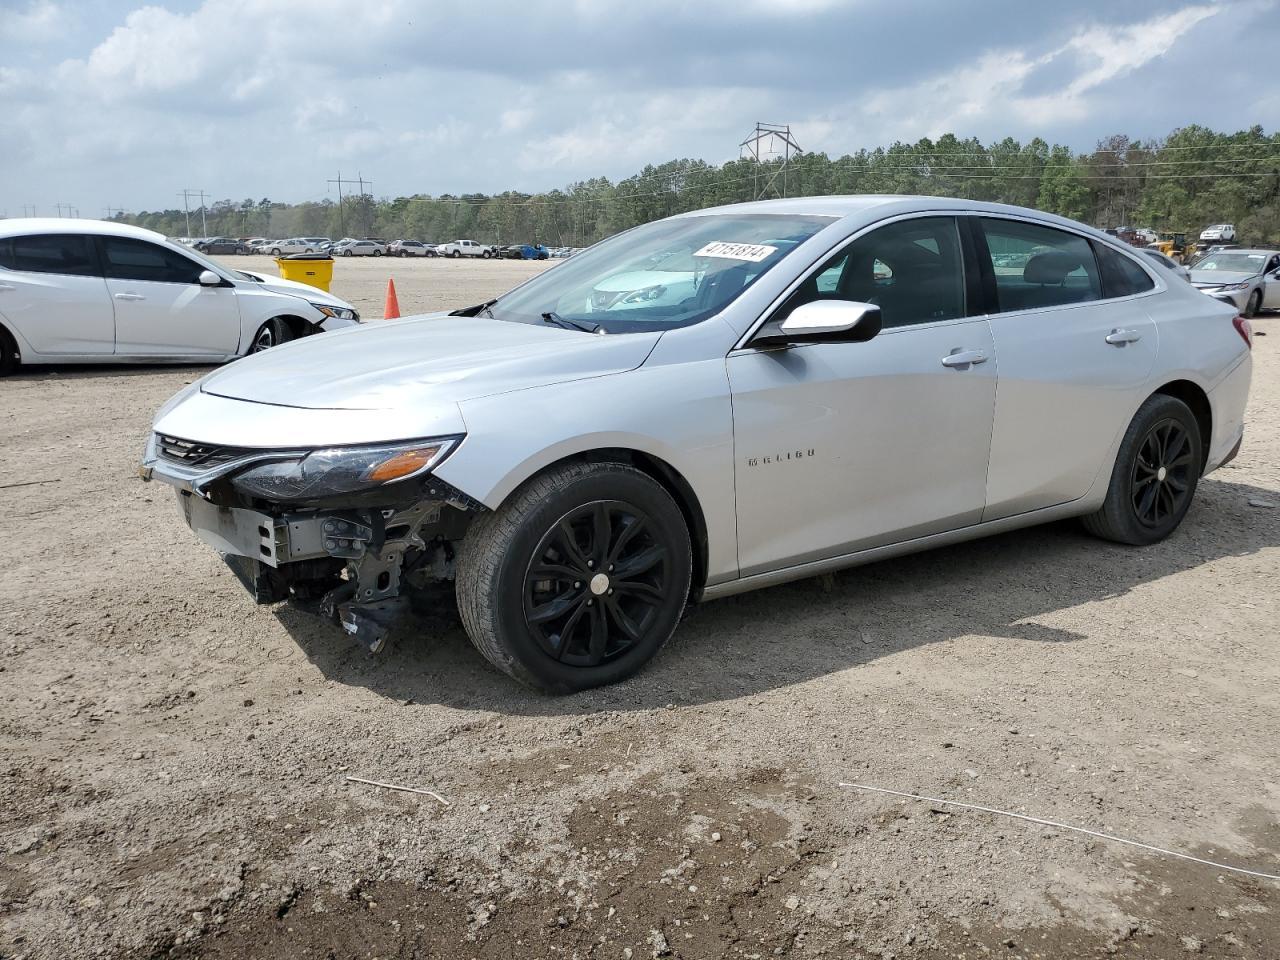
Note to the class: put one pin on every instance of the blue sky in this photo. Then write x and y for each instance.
(123, 104)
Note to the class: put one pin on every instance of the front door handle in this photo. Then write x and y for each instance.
(1118, 337)
(130, 296)
(962, 358)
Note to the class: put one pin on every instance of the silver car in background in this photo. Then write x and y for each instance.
(1248, 280)
(842, 379)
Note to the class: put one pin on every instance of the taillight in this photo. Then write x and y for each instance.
(1245, 329)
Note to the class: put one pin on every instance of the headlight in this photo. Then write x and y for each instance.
(1236, 286)
(341, 313)
(339, 470)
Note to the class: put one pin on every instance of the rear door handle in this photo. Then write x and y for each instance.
(130, 296)
(962, 358)
(1118, 337)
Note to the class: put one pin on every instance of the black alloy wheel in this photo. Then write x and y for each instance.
(1254, 305)
(578, 579)
(598, 580)
(1153, 482)
(1161, 482)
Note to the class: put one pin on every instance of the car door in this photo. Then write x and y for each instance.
(1271, 283)
(53, 295)
(1076, 345)
(161, 307)
(844, 446)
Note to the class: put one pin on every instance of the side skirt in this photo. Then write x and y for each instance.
(817, 567)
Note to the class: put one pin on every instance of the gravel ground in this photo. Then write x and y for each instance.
(173, 780)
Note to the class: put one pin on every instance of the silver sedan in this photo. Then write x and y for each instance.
(788, 388)
(1248, 280)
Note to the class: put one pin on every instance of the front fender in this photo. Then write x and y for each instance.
(680, 414)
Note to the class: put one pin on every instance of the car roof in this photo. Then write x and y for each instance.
(871, 206)
(1260, 250)
(21, 226)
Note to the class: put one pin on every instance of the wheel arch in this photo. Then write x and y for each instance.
(1195, 397)
(669, 478)
(299, 326)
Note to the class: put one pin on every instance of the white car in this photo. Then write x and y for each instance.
(278, 248)
(1220, 232)
(90, 291)
(359, 248)
(465, 248)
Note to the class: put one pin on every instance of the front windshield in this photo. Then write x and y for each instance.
(671, 273)
(1233, 262)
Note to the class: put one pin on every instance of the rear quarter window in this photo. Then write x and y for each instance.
(1121, 276)
(69, 254)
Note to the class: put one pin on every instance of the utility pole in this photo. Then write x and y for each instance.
(59, 207)
(28, 206)
(360, 181)
(186, 209)
(112, 211)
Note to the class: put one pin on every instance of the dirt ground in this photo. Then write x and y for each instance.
(174, 759)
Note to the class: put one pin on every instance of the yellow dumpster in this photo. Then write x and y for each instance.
(315, 269)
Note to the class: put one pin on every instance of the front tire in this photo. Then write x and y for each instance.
(1254, 304)
(271, 334)
(578, 579)
(1154, 479)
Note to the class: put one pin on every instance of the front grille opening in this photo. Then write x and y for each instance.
(193, 454)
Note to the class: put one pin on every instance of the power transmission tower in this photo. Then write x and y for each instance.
(28, 206)
(112, 211)
(768, 140)
(71, 211)
(342, 223)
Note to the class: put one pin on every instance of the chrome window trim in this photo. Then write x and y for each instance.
(1158, 281)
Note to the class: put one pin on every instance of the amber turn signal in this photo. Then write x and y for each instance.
(403, 464)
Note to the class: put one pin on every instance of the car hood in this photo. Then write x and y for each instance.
(424, 360)
(294, 289)
(1216, 278)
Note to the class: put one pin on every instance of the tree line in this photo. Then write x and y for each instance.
(1181, 183)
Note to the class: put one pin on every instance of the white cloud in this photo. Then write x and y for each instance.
(38, 22)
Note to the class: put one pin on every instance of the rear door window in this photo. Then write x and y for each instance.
(1037, 266)
(64, 253)
(128, 259)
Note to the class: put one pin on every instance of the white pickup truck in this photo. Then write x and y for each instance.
(466, 248)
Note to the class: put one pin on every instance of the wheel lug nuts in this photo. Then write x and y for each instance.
(591, 564)
(577, 584)
(591, 603)
(611, 568)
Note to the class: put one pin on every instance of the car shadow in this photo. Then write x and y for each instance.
(999, 587)
(105, 371)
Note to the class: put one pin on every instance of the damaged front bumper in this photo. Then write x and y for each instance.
(358, 557)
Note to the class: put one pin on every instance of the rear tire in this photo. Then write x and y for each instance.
(578, 579)
(271, 334)
(1155, 475)
(10, 359)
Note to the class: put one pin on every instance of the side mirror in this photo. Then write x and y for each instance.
(825, 321)
(209, 279)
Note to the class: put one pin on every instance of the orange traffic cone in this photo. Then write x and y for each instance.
(392, 310)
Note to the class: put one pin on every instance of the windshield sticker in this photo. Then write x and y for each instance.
(750, 252)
